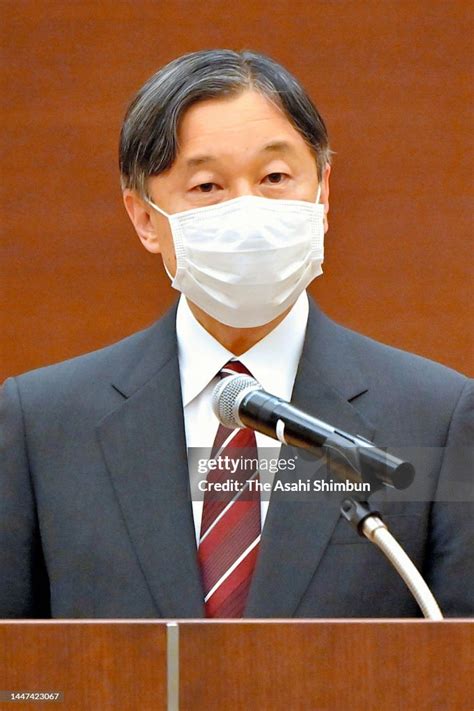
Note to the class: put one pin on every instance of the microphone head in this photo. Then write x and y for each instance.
(228, 395)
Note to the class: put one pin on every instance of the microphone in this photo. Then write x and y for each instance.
(240, 401)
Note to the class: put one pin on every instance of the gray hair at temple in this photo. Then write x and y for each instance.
(149, 136)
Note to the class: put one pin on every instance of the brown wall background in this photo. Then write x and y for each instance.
(392, 80)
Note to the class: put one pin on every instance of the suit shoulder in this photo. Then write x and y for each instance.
(91, 362)
(83, 376)
(402, 371)
(351, 360)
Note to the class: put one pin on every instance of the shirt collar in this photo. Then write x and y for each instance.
(273, 361)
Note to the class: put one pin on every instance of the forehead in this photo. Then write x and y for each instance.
(238, 123)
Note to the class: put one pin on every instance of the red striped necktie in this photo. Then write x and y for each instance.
(230, 526)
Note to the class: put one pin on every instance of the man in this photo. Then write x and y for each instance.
(225, 173)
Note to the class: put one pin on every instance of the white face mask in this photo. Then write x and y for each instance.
(246, 260)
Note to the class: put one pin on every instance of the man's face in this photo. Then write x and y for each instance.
(228, 147)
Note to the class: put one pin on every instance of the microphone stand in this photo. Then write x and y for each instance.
(369, 524)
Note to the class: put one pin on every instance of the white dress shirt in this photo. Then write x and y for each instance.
(273, 361)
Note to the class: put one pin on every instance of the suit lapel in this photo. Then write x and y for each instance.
(144, 446)
(297, 531)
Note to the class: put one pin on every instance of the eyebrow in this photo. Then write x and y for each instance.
(278, 147)
(273, 147)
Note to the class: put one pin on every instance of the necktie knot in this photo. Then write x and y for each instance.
(232, 367)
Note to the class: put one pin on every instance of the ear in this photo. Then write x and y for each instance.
(146, 221)
(325, 194)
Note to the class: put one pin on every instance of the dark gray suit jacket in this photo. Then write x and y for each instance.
(95, 512)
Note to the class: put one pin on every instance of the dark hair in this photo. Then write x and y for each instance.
(148, 140)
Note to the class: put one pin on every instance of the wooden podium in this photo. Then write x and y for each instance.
(312, 665)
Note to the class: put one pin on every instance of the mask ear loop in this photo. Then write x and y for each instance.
(155, 207)
(165, 214)
(318, 194)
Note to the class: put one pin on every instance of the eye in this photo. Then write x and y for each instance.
(205, 187)
(276, 178)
